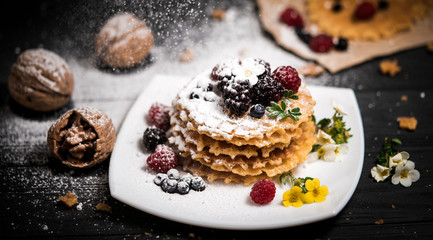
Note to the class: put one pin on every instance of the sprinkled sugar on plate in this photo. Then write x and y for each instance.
(229, 206)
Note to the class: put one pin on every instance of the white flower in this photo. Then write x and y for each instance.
(399, 158)
(338, 108)
(380, 173)
(332, 152)
(249, 69)
(405, 173)
(323, 138)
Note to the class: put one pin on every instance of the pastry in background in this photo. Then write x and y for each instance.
(41, 80)
(123, 41)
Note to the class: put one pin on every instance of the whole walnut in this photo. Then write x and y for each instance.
(82, 137)
(41, 80)
(123, 41)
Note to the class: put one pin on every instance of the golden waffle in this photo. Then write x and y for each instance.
(295, 154)
(278, 162)
(399, 16)
(209, 118)
(218, 147)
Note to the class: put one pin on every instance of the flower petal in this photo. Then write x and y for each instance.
(323, 190)
(409, 165)
(320, 198)
(406, 182)
(405, 155)
(287, 203)
(396, 178)
(298, 203)
(309, 185)
(308, 197)
(414, 175)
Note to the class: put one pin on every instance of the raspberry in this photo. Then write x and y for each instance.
(288, 77)
(152, 137)
(321, 43)
(162, 160)
(263, 191)
(237, 96)
(365, 11)
(292, 18)
(158, 115)
(267, 90)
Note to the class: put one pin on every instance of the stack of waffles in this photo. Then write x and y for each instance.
(219, 146)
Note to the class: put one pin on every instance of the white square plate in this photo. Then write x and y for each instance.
(229, 206)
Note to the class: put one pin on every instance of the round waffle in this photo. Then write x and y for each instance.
(206, 116)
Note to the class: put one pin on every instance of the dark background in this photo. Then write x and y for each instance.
(31, 181)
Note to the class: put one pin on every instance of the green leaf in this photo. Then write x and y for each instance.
(283, 105)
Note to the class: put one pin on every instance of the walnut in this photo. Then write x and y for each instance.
(41, 80)
(82, 137)
(123, 41)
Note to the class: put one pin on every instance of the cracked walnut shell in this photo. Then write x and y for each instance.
(82, 137)
(41, 80)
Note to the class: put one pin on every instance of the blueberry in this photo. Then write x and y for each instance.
(173, 174)
(304, 36)
(186, 178)
(383, 5)
(337, 7)
(257, 111)
(197, 184)
(341, 44)
(209, 87)
(169, 185)
(160, 177)
(194, 95)
(182, 187)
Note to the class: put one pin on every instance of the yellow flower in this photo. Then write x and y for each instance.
(316, 193)
(293, 197)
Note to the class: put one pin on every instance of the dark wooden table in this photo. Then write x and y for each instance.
(31, 180)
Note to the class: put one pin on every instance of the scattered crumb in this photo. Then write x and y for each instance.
(219, 14)
(187, 56)
(389, 67)
(408, 123)
(379, 222)
(69, 199)
(148, 234)
(103, 207)
(393, 206)
(430, 47)
(427, 170)
(347, 219)
(45, 227)
(404, 98)
(311, 69)
(191, 235)
(422, 94)
(80, 206)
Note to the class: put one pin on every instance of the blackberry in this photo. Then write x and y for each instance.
(267, 68)
(237, 96)
(152, 137)
(303, 35)
(257, 111)
(267, 90)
